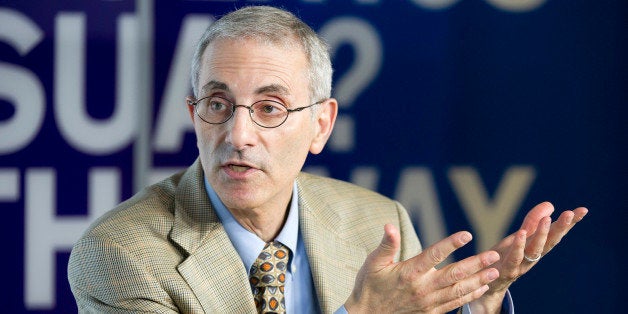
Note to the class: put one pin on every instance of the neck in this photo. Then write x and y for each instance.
(265, 225)
(265, 222)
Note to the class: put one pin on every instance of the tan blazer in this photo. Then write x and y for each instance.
(165, 251)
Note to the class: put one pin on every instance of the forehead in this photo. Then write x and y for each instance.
(249, 65)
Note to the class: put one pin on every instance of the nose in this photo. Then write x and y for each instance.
(241, 129)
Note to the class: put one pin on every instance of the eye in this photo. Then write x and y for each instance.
(217, 104)
(269, 108)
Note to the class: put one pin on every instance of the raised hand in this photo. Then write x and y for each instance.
(415, 285)
(523, 249)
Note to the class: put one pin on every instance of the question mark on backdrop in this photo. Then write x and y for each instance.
(367, 50)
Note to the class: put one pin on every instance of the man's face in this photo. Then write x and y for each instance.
(250, 167)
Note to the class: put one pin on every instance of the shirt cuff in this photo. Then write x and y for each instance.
(508, 307)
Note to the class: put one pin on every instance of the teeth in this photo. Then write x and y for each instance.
(239, 168)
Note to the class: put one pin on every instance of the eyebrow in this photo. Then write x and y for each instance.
(273, 89)
(214, 85)
(268, 89)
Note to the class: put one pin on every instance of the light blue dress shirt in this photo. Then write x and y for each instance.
(299, 292)
(507, 306)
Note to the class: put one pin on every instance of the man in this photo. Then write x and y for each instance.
(197, 241)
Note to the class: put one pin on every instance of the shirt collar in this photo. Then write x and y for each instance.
(247, 244)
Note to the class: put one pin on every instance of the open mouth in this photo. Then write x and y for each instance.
(239, 169)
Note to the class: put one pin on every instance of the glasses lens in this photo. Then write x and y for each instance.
(269, 113)
(214, 109)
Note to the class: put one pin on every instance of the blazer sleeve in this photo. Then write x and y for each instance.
(105, 278)
(410, 244)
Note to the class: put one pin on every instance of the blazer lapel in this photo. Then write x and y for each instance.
(334, 262)
(218, 282)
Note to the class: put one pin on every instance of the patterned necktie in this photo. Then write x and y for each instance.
(267, 278)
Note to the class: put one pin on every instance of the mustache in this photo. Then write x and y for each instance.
(226, 154)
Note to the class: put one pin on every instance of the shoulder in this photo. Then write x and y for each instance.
(127, 254)
(346, 208)
(354, 213)
(153, 208)
(134, 228)
(125, 248)
(325, 186)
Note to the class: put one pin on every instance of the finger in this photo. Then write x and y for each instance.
(535, 247)
(534, 216)
(512, 260)
(466, 290)
(384, 254)
(440, 250)
(580, 212)
(562, 225)
(463, 269)
(568, 218)
(458, 303)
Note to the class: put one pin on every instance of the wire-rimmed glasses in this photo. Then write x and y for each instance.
(265, 113)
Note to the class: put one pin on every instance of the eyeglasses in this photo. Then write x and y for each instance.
(265, 113)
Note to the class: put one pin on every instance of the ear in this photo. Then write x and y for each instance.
(189, 100)
(324, 124)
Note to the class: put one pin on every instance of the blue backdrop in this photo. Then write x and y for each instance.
(469, 112)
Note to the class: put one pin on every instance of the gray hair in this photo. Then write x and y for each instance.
(274, 26)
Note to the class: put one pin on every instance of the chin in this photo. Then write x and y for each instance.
(241, 205)
(238, 198)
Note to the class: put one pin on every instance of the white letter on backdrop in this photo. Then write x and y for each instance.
(20, 86)
(368, 56)
(416, 190)
(45, 233)
(173, 120)
(98, 137)
(491, 217)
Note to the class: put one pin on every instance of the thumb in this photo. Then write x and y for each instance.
(384, 254)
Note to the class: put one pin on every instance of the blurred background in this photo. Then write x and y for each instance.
(469, 112)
